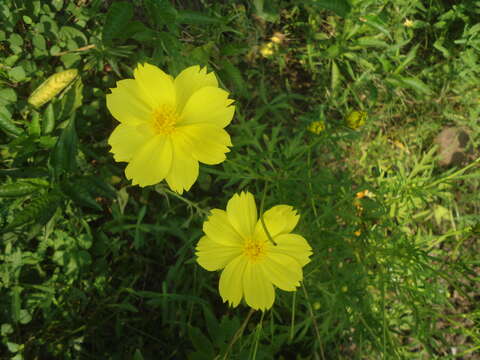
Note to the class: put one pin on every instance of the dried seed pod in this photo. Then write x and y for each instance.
(52, 87)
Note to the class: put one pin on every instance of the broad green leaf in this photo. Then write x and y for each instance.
(63, 156)
(17, 74)
(161, 12)
(118, 16)
(48, 120)
(72, 100)
(7, 125)
(7, 96)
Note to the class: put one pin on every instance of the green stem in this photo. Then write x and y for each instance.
(261, 216)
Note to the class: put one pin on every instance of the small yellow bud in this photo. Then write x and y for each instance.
(356, 119)
(316, 127)
(278, 38)
(267, 49)
(408, 23)
(52, 87)
(358, 233)
(115, 180)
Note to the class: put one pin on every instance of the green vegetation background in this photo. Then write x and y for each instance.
(93, 268)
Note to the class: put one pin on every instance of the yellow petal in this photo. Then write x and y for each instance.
(280, 219)
(208, 105)
(282, 270)
(128, 103)
(125, 141)
(231, 281)
(157, 85)
(151, 163)
(214, 256)
(189, 81)
(259, 292)
(207, 143)
(292, 245)
(242, 213)
(184, 170)
(218, 228)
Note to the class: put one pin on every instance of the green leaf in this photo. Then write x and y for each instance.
(340, 7)
(7, 96)
(17, 189)
(63, 157)
(161, 12)
(48, 120)
(40, 210)
(17, 74)
(6, 329)
(72, 99)
(7, 125)
(201, 342)
(196, 18)
(16, 304)
(235, 76)
(416, 84)
(137, 355)
(24, 317)
(335, 76)
(118, 16)
(81, 193)
(377, 23)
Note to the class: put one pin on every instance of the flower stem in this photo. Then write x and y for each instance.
(261, 216)
(238, 333)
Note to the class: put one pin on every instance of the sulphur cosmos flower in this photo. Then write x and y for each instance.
(167, 126)
(235, 241)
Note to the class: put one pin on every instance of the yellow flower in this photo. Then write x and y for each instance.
(267, 49)
(356, 119)
(408, 23)
(316, 127)
(236, 242)
(167, 126)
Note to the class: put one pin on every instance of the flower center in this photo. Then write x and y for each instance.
(255, 250)
(164, 119)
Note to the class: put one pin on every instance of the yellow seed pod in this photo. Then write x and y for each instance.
(52, 87)
(356, 119)
(316, 127)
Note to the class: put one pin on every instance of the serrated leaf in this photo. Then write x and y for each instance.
(81, 194)
(416, 84)
(63, 156)
(235, 75)
(40, 210)
(118, 16)
(17, 189)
